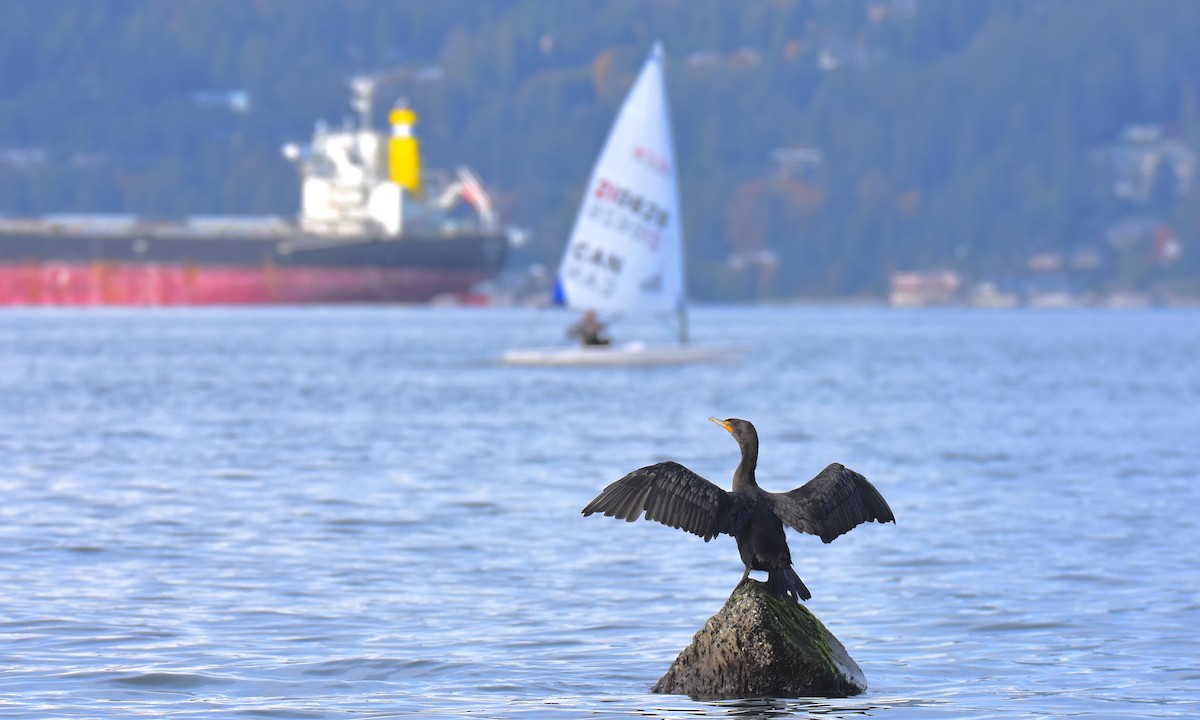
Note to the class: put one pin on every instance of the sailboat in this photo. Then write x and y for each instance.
(625, 251)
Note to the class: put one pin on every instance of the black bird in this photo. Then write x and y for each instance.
(832, 503)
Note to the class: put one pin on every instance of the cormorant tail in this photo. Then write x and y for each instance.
(785, 583)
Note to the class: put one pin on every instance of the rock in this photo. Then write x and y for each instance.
(762, 646)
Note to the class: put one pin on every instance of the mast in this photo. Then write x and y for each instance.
(669, 148)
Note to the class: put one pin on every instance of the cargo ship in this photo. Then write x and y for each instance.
(373, 226)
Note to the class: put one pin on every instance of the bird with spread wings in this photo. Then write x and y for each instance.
(831, 504)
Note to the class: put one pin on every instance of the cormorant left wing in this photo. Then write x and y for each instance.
(672, 495)
(832, 503)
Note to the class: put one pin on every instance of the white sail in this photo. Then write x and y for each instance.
(625, 252)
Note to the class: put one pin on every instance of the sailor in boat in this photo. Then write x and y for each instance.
(589, 330)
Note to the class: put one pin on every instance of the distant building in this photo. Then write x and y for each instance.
(1046, 262)
(1146, 237)
(1144, 163)
(924, 289)
(22, 157)
(989, 295)
(236, 100)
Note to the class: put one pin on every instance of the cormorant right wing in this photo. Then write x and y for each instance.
(672, 495)
(834, 502)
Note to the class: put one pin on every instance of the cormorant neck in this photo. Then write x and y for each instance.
(743, 477)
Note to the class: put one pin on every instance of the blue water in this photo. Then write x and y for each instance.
(355, 512)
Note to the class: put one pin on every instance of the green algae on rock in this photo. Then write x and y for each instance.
(758, 645)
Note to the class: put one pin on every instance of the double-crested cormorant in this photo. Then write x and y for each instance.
(830, 504)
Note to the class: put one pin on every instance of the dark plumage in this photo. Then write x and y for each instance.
(832, 503)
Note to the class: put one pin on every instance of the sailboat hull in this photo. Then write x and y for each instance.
(626, 354)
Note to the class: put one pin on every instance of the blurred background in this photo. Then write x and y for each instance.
(355, 510)
(996, 151)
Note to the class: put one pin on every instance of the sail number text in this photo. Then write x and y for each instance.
(628, 213)
(594, 267)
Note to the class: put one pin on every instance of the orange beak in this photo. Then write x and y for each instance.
(723, 424)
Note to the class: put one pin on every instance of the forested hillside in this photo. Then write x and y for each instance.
(822, 144)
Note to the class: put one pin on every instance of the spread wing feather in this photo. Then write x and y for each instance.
(835, 501)
(673, 495)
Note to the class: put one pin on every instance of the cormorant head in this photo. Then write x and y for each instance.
(741, 430)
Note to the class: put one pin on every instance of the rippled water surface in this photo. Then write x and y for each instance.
(356, 512)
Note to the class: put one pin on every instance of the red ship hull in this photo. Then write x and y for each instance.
(104, 283)
(46, 264)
